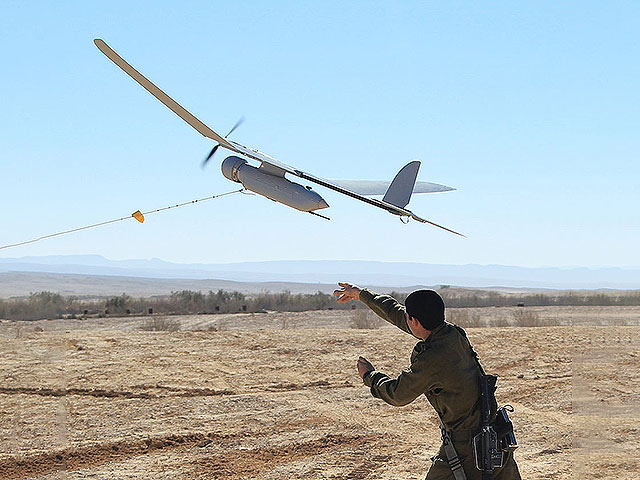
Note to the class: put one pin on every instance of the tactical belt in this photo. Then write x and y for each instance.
(452, 456)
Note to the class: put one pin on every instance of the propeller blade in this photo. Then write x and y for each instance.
(213, 150)
(238, 123)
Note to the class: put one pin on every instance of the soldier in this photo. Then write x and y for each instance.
(444, 368)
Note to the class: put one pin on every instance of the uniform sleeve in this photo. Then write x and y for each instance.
(410, 384)
(386, 307)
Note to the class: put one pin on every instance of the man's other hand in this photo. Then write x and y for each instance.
(348, 291)
(364, 366)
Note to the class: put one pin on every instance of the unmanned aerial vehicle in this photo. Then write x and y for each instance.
(269, 179)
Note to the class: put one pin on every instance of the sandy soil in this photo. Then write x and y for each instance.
(276, 396)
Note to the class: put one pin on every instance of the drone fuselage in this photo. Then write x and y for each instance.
(272, 186)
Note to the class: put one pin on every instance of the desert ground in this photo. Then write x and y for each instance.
(277, 396)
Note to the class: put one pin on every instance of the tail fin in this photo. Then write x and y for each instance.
(401, 188)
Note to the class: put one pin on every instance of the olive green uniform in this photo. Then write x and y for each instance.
(444, 369)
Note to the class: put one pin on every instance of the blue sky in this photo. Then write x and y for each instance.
(531, 110)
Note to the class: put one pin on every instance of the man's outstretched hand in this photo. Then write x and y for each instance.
(364, 366)
(348, 291)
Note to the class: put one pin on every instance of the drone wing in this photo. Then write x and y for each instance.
(375, 187)
(188, 117)
(159, 94)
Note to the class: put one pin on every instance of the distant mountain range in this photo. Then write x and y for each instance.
(155, 275)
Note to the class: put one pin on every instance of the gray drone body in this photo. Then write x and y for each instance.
(274, 187)
(269, 178)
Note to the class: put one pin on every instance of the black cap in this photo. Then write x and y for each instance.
(427, 306)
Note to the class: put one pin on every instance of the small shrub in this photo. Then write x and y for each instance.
(364, 319)
(465, 318)
(527, 318)
(117, 304)
(160, 324)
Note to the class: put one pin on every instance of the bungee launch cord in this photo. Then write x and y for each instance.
(138, 215)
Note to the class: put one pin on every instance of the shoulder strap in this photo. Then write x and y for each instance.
(452, 456)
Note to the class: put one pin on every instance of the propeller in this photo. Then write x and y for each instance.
(213, 150)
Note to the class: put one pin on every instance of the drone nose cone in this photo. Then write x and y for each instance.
(322, 204)
(313, 200)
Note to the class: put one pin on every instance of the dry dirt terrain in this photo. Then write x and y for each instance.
(276, 396)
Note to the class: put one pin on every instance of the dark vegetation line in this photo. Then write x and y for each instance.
(45, 304)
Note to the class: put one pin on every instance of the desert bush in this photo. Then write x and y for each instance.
(187, 301)
(40, 305)
(501, 321)
(527, 318)
(481, 298)
(464, 318)
(288, 302)
(119, 304)
(160, 324)
(364, 319)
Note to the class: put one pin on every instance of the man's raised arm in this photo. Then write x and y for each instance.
(385, 306)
